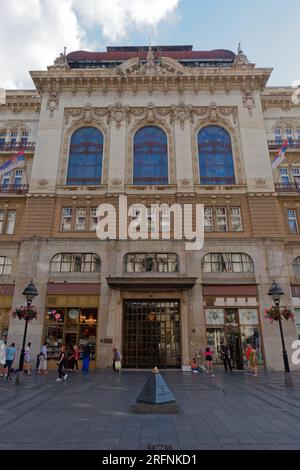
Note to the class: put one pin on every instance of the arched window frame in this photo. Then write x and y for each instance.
(75, 263)
(238, 263)
(226, 131)
(136, 132)
(151, 262)
(296, 266)
(73, 132)
(5, 266)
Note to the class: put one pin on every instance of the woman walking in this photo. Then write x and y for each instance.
(61, 363)
(2, 357)
(73, 361)
(208, 353)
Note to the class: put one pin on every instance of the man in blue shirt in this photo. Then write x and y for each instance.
(10, 357)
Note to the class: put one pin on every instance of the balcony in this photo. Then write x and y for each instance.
(287, 187)
(14, 189)
(276, 145)
(28, 147)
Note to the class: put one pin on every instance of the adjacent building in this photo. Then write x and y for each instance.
(157, 125)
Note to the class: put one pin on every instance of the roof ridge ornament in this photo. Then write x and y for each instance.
(241, 59)
(61, 62)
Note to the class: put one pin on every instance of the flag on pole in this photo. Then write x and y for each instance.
(280, 155)
(17, 161)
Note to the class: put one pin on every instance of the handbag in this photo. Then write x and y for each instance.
(118, 364)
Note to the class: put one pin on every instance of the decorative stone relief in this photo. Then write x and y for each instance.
(164, 66)
(181, 113)
(116, 182)
(52, 103)
(118, 113)
(249, 101)
(42, 182)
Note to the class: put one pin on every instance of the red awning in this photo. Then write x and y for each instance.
(230, 291)
(73, 289)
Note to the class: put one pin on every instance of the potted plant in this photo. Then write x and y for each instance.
(25, 313)
(273, 314)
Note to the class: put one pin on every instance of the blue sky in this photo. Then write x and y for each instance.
(34, 32)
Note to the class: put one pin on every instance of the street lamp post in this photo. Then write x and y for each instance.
(276, 292)
(30, 292)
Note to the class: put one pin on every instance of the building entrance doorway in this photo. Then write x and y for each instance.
(235, 348)
(151, 334)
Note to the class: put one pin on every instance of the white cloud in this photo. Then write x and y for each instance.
(117, 17)
(34, 32)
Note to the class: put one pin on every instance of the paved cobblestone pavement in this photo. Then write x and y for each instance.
(228, 411)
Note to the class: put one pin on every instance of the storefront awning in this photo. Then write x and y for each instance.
(143, 282)
(234, 290)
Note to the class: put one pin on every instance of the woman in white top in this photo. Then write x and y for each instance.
(2, 357)
(27, 359)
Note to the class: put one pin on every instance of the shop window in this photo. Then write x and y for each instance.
(70, 326)
(73, 262)
(227, 263)
(292, 221)
(150, 159)
(10, 223)
(215, 156)
(148, 262)
(5, 265)
(296, 266)
(85, 157)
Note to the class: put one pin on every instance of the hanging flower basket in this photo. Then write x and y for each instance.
(25, 313)
(273, 315)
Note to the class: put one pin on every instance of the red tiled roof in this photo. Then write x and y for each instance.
(218, 54)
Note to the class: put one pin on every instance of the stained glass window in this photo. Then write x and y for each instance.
(215, 156)
(150, 162)
(85, 157)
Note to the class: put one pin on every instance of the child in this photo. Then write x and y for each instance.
(194, 366)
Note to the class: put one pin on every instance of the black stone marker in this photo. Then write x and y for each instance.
(155, 397)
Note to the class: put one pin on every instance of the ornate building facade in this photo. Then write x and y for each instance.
(159, 125)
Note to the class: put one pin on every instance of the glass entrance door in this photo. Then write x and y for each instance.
(151, 334)
(235, 348)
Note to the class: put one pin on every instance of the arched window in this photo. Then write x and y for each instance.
(227, 263)
(296, 266)
(85, 157)
(151, 262)
(75, 263)
(150, 161)
(5, 265)
(215, 156)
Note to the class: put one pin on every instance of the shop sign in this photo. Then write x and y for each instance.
(248, 316)
(214, 316)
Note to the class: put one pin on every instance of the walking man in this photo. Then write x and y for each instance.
(10, 357)
(225, 356)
